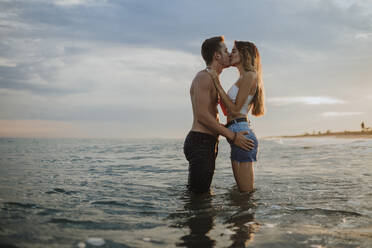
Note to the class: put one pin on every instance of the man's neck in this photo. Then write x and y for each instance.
(216, 67)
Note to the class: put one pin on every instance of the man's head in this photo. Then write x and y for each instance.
(214, 50)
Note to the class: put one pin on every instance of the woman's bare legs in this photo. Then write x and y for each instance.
(244, 175)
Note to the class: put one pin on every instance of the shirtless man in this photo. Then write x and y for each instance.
(201, 144)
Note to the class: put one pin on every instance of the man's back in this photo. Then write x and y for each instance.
(204, 99)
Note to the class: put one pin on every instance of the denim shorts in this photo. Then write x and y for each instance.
(239, 154)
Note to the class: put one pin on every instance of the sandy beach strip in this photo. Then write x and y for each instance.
(343, 135)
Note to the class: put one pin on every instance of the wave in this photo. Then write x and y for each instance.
(106, 225)
(112, 203)
(88, 224)
(21, 205)
(61, 191)
(327, 211)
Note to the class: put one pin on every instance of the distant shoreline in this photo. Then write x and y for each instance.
(344, 134)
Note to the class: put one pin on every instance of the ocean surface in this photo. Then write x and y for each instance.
(310, 192)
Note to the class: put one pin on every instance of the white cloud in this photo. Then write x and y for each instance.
(294, 53)
(345, 4)
(340, 114)
(7, 63)
(102, 76)
(73, 2)
(10, 22)
(309, 100)
(116, 74)
(363, 36)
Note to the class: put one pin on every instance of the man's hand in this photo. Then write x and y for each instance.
(243, 142)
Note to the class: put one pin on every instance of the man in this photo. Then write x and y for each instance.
(201, 144)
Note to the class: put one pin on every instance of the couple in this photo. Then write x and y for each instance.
(247, 94)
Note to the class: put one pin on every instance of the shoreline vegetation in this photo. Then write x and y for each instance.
(328, 133)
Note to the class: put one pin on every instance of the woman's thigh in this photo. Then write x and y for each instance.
(244, 175)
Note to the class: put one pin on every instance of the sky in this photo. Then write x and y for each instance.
(123, 69)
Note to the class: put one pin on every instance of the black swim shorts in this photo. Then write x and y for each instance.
(201, 151)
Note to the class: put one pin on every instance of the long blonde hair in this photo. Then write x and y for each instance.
(251, 61)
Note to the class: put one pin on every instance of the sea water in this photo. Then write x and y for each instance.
(310, 192)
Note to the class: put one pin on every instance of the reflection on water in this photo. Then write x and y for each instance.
(199, 217)
(200, 221)
(242, 222)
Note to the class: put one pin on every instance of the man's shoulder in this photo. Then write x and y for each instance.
(203, 76)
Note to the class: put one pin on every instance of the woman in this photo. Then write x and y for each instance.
(247, 94)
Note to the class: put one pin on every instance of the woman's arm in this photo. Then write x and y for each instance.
(202, 99)
(247, 84)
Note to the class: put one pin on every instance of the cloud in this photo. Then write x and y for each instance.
(7, 63)
(93, 65)
(75, 2)
(363, 36)
(308, 100)
(101, 81)
(63, 3)
(341, 114)
(125, 61)
(178, 24)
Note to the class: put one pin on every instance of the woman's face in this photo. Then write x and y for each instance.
(234, 57)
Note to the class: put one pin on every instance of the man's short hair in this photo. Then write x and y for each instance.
(209, 47)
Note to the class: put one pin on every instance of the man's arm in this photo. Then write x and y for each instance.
(202, 100)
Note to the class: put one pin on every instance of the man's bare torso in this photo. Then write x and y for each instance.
(212, 101)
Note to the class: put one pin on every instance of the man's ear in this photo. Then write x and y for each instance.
(217, 55)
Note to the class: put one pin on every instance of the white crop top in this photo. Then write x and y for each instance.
(233, 92)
